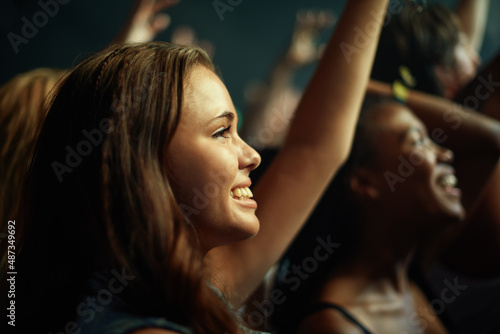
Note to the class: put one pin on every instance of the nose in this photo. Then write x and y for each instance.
(444, 154)
(248, 158)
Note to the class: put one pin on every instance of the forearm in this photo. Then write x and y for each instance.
(318, 143)
(473, 16)
(456, 126)
(460, 125)
(326, 116)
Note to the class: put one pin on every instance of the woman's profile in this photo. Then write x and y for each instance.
(137, 214)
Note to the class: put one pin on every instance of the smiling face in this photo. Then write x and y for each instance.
(210, 164)
(425, 185)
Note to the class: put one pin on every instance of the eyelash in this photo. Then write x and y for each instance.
(221, 132)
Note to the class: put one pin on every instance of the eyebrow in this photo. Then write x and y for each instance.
(225, 114)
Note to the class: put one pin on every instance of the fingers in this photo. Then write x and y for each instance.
(160, 5)
(314, 19)
(304, 46)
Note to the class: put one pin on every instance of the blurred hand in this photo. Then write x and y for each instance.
(186, 35)
(146, 21)
(304, 47)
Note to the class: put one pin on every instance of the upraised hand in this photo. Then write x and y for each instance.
(145, 21)
(186, 35)
(304, 47)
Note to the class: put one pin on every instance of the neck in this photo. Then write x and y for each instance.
(384, 251)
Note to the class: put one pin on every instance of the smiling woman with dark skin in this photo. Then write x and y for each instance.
(393, 220)
(399, 192)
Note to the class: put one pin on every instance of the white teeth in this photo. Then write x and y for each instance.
(241, 193)
(448, 180)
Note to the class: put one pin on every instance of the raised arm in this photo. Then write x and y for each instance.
(473, 15)
(318, 143)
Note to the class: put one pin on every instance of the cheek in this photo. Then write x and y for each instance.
(203, 176)
(185, 170)
(415, 172)
(423, 162)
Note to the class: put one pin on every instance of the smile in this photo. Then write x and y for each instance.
(241, 193)
(448, 180)
(448, 183)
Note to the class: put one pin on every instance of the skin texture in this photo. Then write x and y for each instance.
(405, 312)
(214, 161)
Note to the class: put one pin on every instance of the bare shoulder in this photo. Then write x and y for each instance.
(154, 331)
(327, 321)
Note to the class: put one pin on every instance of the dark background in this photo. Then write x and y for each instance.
(247, 42)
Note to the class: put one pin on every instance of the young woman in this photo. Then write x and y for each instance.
(396, 194)
(138, 212)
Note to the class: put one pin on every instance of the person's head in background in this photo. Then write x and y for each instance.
(23, 103)
(395, 192)
(397, 176)
(400, 184)
(431, 45)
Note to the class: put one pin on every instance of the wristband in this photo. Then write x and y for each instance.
(399, 91)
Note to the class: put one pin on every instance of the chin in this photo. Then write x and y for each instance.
(232, 233)
(249, 229)
(453, 214)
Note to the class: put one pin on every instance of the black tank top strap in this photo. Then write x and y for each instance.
(316, 307)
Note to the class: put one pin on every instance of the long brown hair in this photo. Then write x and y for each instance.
(99, 197)
(22, 109)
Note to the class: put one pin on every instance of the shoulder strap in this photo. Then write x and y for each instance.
(316, 307)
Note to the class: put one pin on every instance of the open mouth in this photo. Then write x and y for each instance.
(448, 183)
(241, 193)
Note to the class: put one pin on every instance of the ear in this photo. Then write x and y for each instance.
(363, 183)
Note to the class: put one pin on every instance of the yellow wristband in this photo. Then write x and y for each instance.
(399, 91)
